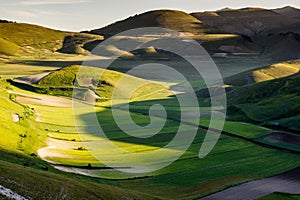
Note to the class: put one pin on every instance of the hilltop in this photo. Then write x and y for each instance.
(29, 39)
(288, 11)
(268, 34)
(251, 21)
(85, 83)
(21, 34)
(172, 19)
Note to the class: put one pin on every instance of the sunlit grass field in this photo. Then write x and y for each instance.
(228, 164)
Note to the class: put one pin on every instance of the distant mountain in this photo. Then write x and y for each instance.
(4, 21)
(288, 11)
(251, 21)
(268, 34)
(172, 19)
(271, 34)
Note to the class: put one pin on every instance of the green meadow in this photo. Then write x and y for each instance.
(55, 102)
(61, 143)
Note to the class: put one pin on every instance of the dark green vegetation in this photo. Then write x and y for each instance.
(281, 196)
(267, 96)
(38, 124)
(189, 177)
(35, 179)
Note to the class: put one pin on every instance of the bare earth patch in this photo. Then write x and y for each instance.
(284, 137)
(10, 194)
(33, 79)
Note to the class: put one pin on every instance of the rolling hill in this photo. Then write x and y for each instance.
(8, 48)
(269, 34)
(80, 43)
(288, 11)
(171, 19)
(269, 96)
(22, 34)
(270, 72)
(46, 133)
(250, 21)
(17, 38)
(62, 82)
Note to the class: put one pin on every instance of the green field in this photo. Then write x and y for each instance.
(188, 177)
(54, 101)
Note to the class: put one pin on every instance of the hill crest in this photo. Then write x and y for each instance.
(172, 19)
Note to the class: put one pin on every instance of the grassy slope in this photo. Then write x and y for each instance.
(65, 78)
(186, 178)
(8, 48)
(28, 175)
(17, 38)
(26, 137)
(41, 184)
(271, 72)
(269, 101)
(171, 19)
(21, 34)
(196, 173)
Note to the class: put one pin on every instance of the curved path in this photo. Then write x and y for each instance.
(288, 182)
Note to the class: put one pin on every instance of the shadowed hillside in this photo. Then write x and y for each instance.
(80, 43)
(274, 101)
(271, 72)
(175, 20)
(268, 34)
(288, 11)
(250, 21)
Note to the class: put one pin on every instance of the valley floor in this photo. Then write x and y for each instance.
(49, 128)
